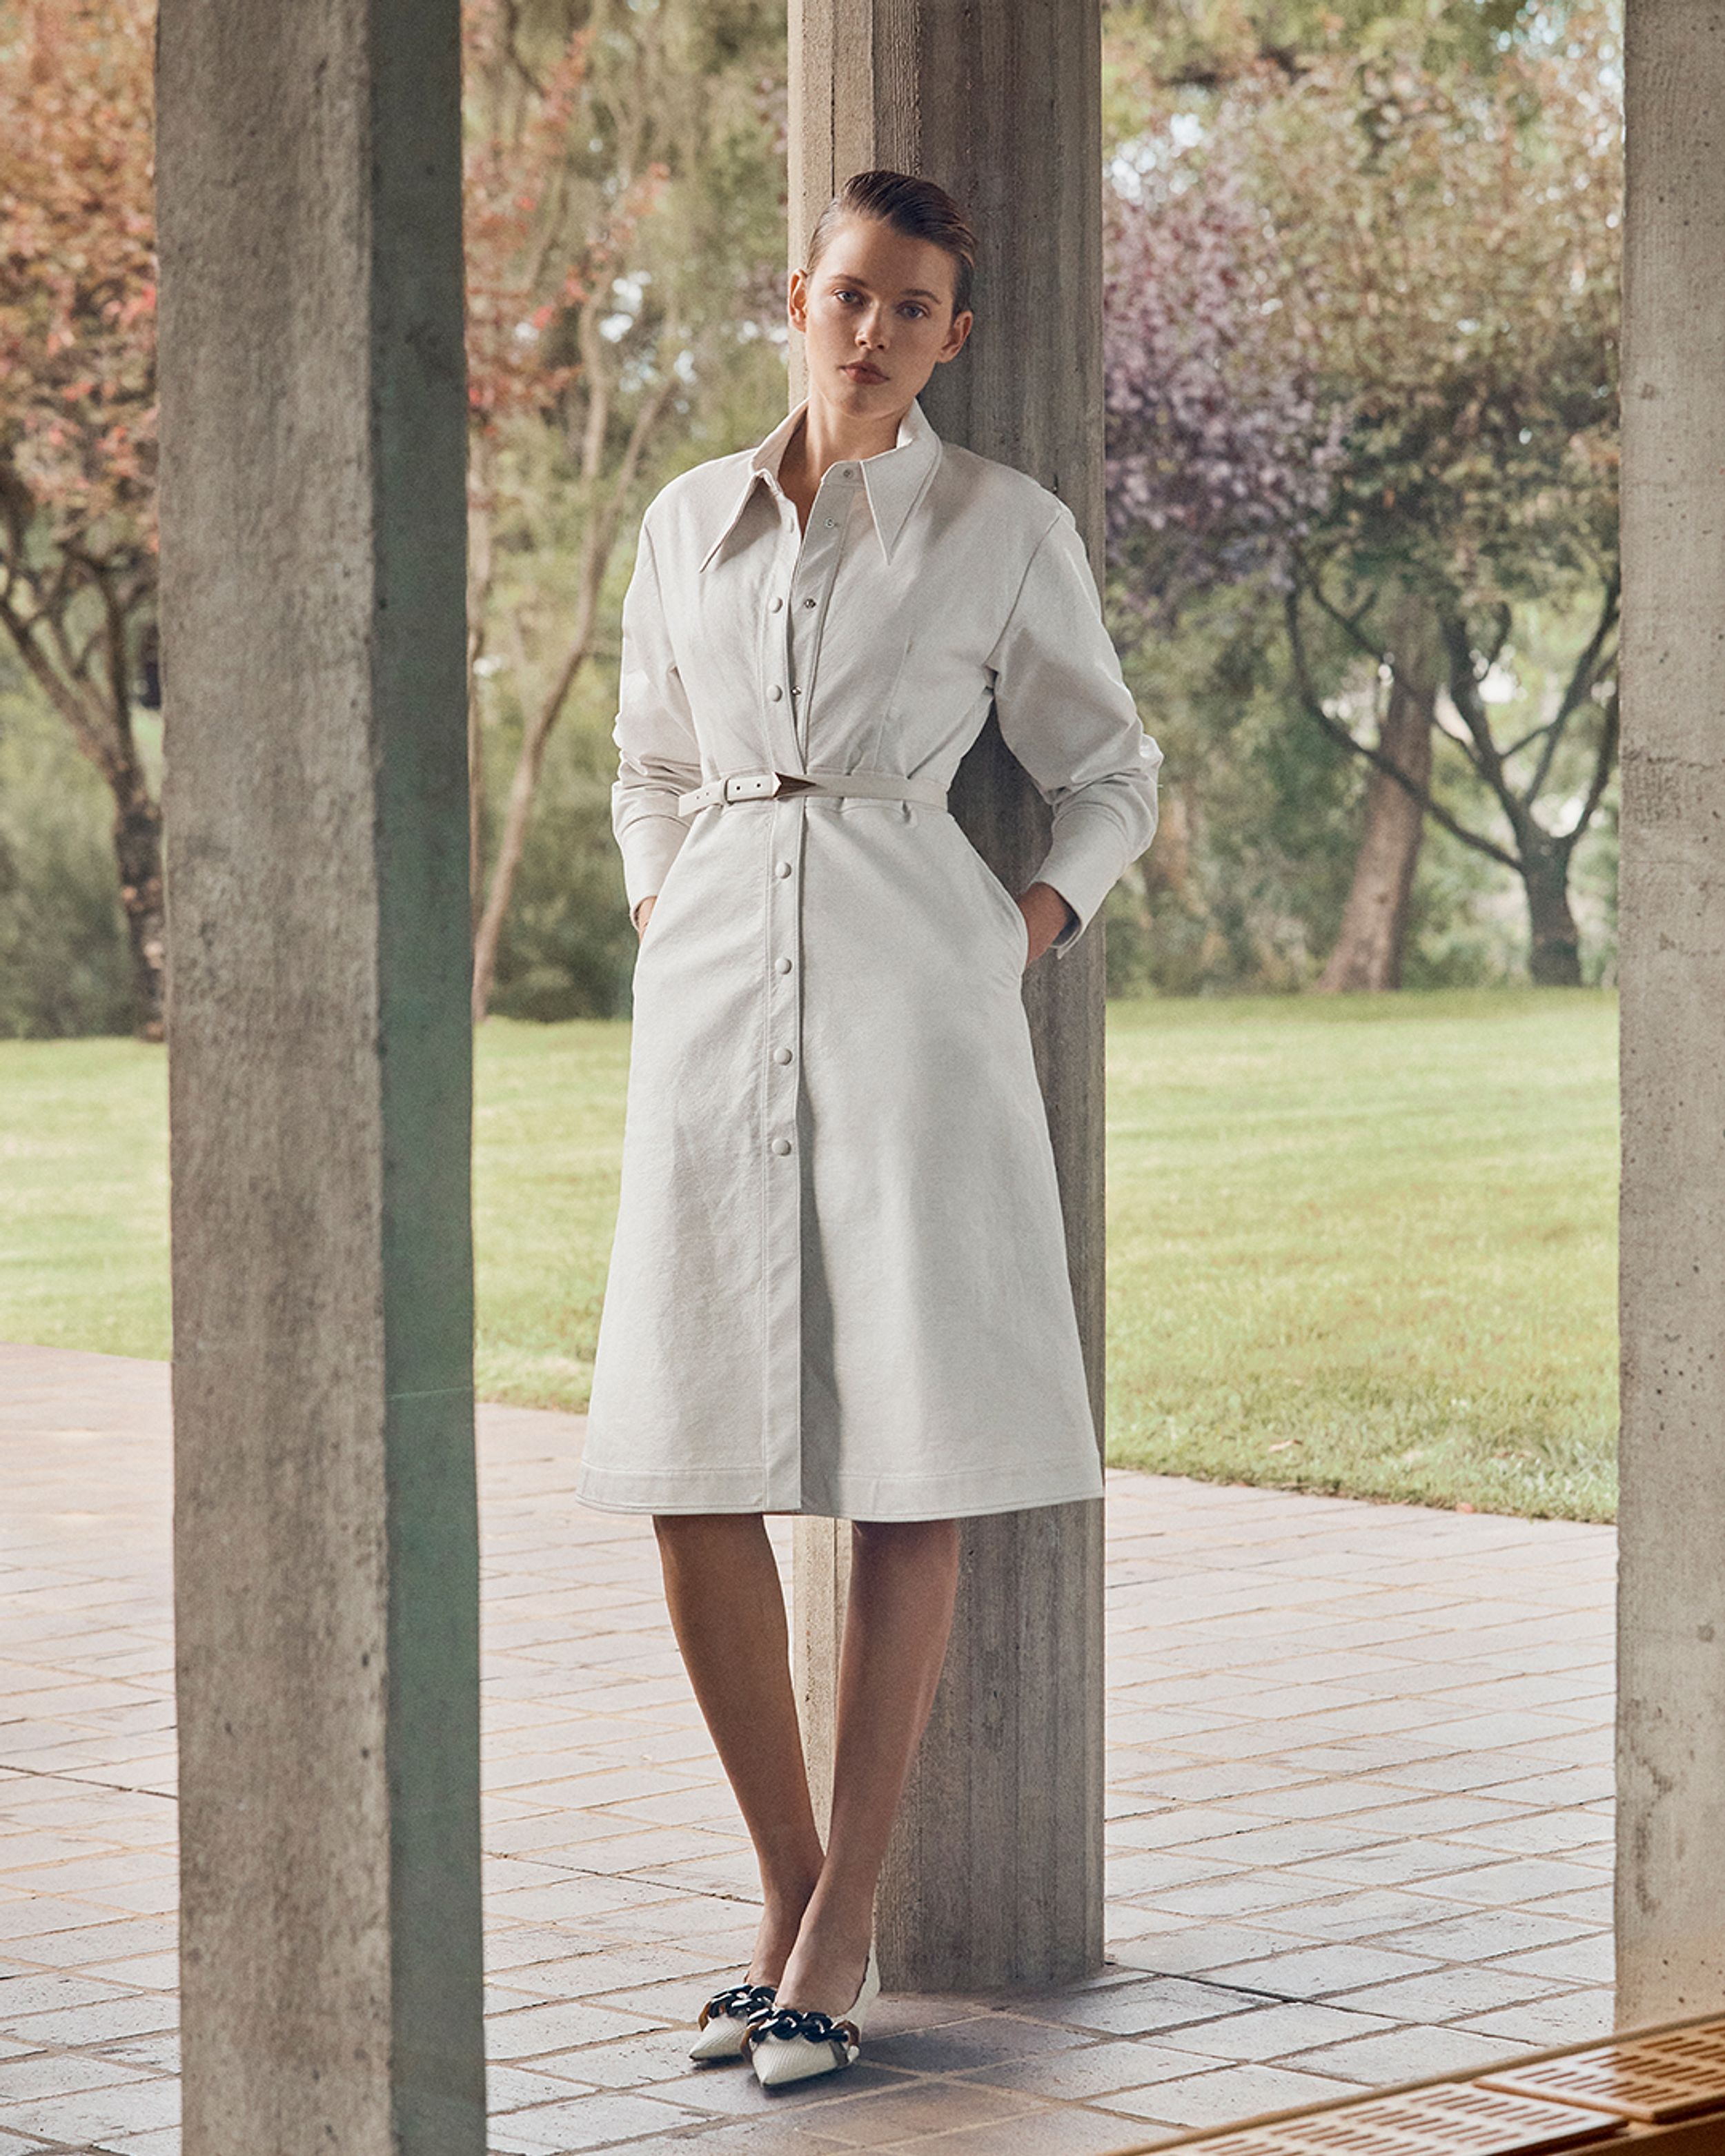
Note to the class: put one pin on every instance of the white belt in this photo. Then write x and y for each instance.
(765, 785)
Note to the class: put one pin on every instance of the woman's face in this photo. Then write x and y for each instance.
(877, 312)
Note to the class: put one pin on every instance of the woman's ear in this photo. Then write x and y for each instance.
(796, 301)
(956, 336)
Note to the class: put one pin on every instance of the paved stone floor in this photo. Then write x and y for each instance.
(1359, 1789)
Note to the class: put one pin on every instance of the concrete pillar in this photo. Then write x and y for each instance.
(994, 1876)
(313, 619)
(1671, 1883)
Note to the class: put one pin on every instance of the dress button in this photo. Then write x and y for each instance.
(777, 604)
(774, 693)
(781, 869)
(782, 966)
(832, 524)
(781, 1145)
(781, 1055)
(808, 602)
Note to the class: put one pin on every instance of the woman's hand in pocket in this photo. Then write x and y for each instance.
(644, 914)
(1046, 913)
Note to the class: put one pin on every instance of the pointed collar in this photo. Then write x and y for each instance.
(893, 478)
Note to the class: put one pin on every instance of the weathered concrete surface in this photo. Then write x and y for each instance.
(994, 1876)
(1670, 1895)
(313, 616)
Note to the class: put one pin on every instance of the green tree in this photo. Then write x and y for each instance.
(78, 408)
(624, 210)
(1398, 406)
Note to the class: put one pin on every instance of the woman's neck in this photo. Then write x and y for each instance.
(827, 437)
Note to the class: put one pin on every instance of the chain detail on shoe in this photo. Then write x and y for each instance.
(741, 2003)
(797, 2021)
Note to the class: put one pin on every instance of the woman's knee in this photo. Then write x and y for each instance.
(692, 1528)
(923, 1537)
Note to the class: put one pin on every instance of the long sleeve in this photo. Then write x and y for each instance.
(1066, 714)
(658, 757)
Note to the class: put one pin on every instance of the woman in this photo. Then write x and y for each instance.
(839, 1285)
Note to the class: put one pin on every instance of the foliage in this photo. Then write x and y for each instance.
(1206, 44)
(78, 271)
(78, 404)
(63, 970)
(1220, 451)
(1362, 342)
(624, 186)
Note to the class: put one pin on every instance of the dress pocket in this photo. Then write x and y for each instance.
(1017, 928)
(650, 934)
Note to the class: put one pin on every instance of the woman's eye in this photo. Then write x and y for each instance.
(913, 309)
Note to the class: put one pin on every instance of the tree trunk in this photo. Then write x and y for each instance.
(1554, 961)
(602, 519)
(481, 508)
(138, 850)
(523, 788)
(1374, 922)
(98, 714)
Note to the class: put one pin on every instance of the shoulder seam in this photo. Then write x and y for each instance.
(1024, 575)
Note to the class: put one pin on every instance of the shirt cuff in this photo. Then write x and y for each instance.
(649, 845)
(1083, 864)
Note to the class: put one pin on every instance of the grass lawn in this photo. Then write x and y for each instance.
(1369, 1245)
(1364, 1245)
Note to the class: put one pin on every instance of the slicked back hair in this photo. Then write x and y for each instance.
(914, 208)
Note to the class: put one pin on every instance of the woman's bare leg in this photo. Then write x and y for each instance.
(727, 1609)
(904, 1575)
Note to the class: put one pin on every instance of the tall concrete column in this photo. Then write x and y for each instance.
(1671, 1884)
(995, 1874)
(313, 621)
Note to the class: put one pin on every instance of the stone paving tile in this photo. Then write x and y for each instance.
(1365, 1913)
(1592, 1906)
(1589, 1960)
(1447, 1994)
(1575, 2018)
(1537, 1833)
(1316, 1972)
(918, 2108)
(1485, 1935)
(1405, 2054)
(1214, 2098)
(599, 2121)
(1044, 2132)
(1200, 1946)
(1083, 2071)
(1359, 1786)
(1283, 2031)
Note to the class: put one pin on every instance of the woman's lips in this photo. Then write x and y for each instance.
(860, 370)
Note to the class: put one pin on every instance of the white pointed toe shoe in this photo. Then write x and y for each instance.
(785, 2043)
(725, 2020)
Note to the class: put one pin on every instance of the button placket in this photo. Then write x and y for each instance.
(812, 587)
(782, 1161)
(812, 560)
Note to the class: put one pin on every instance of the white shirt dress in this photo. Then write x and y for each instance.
(839, 1282)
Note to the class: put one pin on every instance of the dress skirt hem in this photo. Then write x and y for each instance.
(954, 1497)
